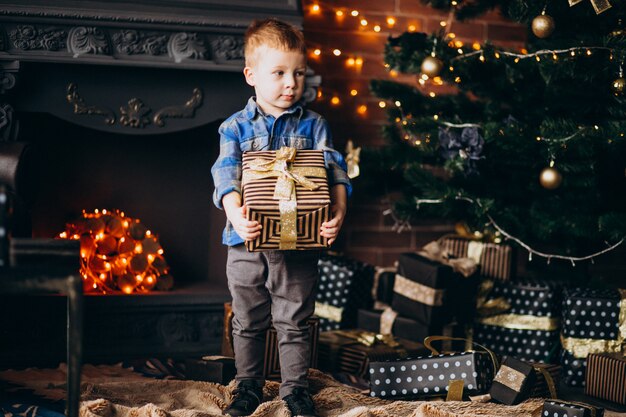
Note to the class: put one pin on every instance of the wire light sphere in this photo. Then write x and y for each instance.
(118, 254)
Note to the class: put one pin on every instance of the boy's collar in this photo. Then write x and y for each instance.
(252, 109)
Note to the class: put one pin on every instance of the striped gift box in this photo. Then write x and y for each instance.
(495, 260)
(606, 377)
(313, 206)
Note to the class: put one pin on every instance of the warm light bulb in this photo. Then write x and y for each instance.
(458, 44)
(398, 104)
(160, 251)
(336, 52)
(377, 28)
(432, 94)
(363, 22)
(362, 109)
(358, 62)
(350, 62)
(393, 73)
(353, 92)
(335, 101)
(315, 8)
(339, 13)
(138, 248)
(412, 28)
(391, 21)
(354, 13)
(442, 24)
(476, 46)
(382, 104)
(63, 235)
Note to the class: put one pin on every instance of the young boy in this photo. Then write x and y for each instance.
(273, 287)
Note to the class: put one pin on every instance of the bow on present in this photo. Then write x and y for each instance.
(598, 5)
(285, 189)
(434, 251)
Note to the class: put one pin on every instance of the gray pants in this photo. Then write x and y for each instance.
(274, 287)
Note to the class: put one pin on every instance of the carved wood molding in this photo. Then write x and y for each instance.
(126, 45)
(135, 113)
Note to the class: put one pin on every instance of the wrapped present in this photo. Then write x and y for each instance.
(570, 409)
(513, 382)
(388, 321)
(344, 287)
(520, 319)
(496, 260)
(271, 361)
(431, 292)
(286, 191)
(453, 375)
(218, 369)
(382, 288)
(547, 377)
(351, 351)
(594, 321)
(606, 377)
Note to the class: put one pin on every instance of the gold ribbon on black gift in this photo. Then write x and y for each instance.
(435, 252)
(285, 189)
(598, 5)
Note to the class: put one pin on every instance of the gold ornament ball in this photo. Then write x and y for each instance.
(550, 178)
(543, 26)
(431, 66)
(619, 85)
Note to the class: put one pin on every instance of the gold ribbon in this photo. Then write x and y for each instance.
(455, 390)
(370, 338)
(598, 5)
(329, 312)
(549, 380)
(435, 252)
(418, 292)
(511, 378)
(622, 316)
(522, 322)
(580, 348)
(285, 189)
(387, 318)
(486, 306)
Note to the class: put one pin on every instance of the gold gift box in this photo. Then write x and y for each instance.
(286, 191)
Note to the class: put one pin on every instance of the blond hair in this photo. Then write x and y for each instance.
(274, 34)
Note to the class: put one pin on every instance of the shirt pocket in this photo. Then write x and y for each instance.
(297, 141)
(255, 143)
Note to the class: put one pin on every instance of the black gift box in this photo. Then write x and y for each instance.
(430, 376)
(496, 260)
(591, 322)
(219, 369)
(570, 409)
(431, 292)
(546, 375)
(606, 377)
(513, 382)
(344, 286)
(529, 328)
(340, 353)
(383, 284)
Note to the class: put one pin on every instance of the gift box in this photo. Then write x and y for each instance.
(271, 360)
(286, 191)
(495, 260)
(606, 377)
(513, 382)
(591, 324)
(431, 375)
(520, 319)
(219, 369)
(351, 351)
(382, 289)
(431, 292)
(343, 288)
(570, 409)
(547, 377)
(388, 321)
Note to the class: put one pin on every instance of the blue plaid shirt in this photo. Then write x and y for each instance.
(252, 130)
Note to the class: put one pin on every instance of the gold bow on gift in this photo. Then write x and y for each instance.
(434, 251)
(598, 5)
(285, 189)
(369, 338)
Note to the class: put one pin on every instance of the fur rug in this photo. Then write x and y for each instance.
(332, 399)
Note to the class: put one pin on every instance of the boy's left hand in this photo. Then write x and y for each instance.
(331, 228)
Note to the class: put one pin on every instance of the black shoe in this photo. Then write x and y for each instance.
(247, 397)
(300, 403)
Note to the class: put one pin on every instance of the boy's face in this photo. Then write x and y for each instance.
(277, 77)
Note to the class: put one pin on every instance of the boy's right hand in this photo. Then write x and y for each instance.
(246, 229)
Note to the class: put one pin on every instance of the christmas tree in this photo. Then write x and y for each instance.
(530, 146)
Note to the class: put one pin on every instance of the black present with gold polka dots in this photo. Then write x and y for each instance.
(556, 408)
(430, 376)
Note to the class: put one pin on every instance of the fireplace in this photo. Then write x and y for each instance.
(120, 109)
